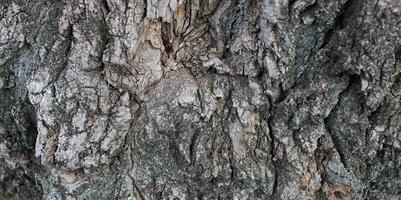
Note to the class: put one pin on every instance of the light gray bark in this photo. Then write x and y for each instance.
(200, 99)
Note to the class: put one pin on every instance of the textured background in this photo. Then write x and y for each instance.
(200, 99)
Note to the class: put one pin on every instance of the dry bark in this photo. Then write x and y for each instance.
(200, 99)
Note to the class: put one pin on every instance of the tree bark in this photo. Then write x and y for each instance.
(200, 99)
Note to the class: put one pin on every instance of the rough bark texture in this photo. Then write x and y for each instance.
(200, 99)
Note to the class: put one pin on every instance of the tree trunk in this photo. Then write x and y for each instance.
(200, 99)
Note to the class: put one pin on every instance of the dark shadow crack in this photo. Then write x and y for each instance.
(339, 22)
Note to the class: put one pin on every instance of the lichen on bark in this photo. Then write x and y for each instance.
(193, 99)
